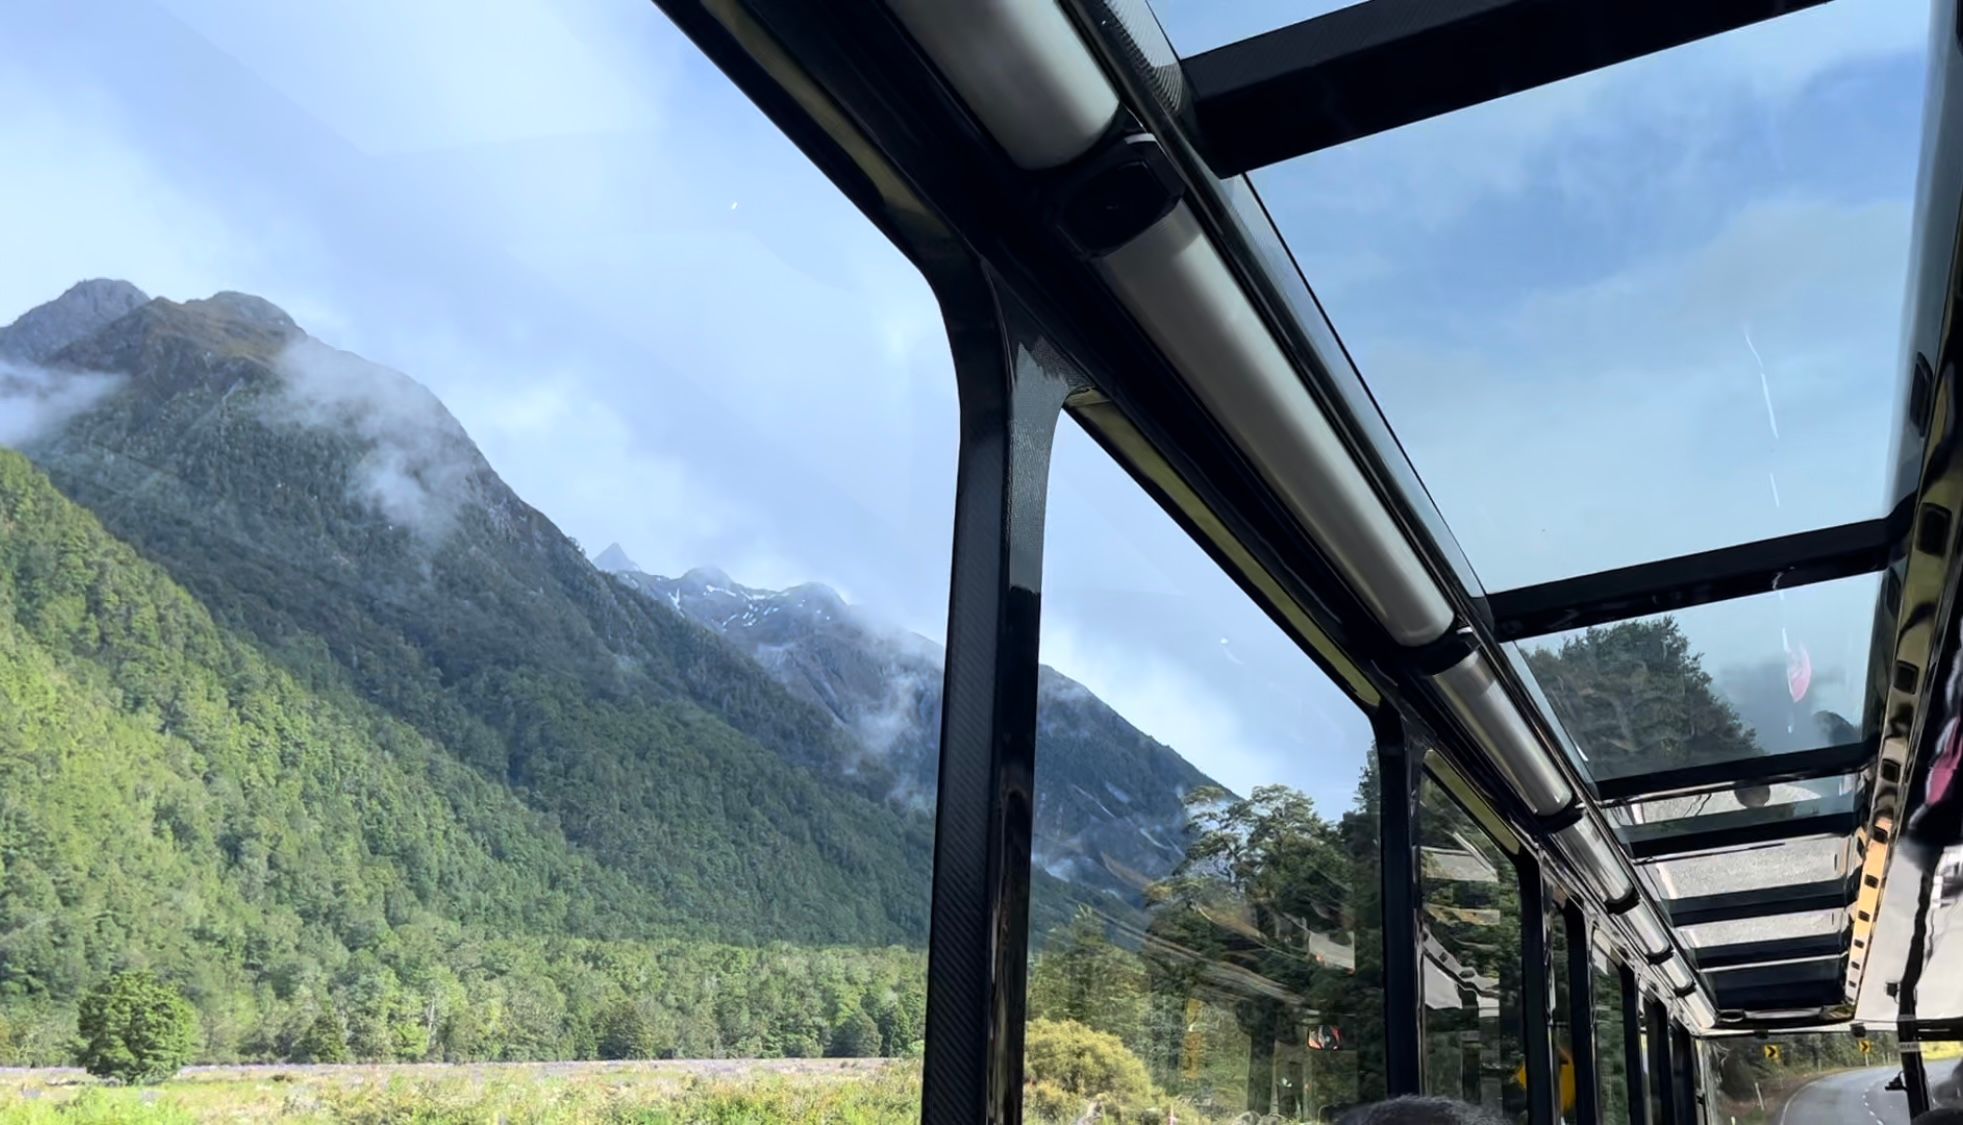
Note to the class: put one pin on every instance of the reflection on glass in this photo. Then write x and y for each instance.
(1563, 1025)
(1786, 863)
(1642, 312)
(1754, 813)
(1771, 796)
(1611, 1042)
(1470, 893)
(1209, 934)
(1713, 683)
(1943, 1063)
(1812, 923)
(1755, 1079)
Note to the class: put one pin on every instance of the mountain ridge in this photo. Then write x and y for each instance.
(290, 508)
(1109, 800)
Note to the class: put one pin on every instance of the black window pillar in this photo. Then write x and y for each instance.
(1662, 1079)
(978, 946)
(1684, 1078)
(1581, 1017)
(1400, 771)
(1633, 1067)
(1536, 995)
(1915, 1077)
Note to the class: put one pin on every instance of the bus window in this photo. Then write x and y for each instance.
(1611, 1043)
(1205, 920)
(1563, 1026)
(1810, 1077)
(1471, 975)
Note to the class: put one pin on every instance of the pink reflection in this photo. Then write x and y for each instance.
(1799, 672)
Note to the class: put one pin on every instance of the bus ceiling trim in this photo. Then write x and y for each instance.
(1176, 284)
(1021, 69)
(1481, 703)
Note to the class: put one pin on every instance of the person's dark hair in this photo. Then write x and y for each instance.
(1941, 1115)
(1414, 1109)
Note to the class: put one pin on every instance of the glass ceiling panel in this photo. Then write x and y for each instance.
(1647, 311)
(1772, 799)
(1769, 674)
(1789, 863)
(1764, 929)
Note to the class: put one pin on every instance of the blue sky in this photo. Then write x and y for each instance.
(665, 328)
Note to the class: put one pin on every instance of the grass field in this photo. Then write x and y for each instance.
(763, 1092)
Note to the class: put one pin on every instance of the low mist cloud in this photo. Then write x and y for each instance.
(418, 465)
(34, 402)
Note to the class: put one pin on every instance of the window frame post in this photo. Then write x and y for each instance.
(1662, 1082)
(978, 943)
(1634, 1066)
(1536, 995)
(1401, 772)
(1581, 1017)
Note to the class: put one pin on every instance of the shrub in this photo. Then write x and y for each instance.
(324, 1041)
(1067, 1066)
(625, 1033)
(855, 1037)
(135, 1028)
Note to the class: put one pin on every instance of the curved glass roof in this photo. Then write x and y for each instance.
(1650, 310)
(1633, 315)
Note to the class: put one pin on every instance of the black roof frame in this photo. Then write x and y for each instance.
(1770, 950)
(1664, 585)
(1769, 769)
(1739, 828)
(1382, 64)
(1762, 902)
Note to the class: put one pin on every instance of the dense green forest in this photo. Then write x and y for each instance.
(333, 512)
(170, 799)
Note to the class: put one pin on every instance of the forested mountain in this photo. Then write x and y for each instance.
(285, 853)
(312, 705)
(1110, 802)
(335, 513)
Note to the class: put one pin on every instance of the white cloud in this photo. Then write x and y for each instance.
(418, 468)
(1625, 419)
(34, 401)
(1586, 136)
(393, 77)
(1161, 697)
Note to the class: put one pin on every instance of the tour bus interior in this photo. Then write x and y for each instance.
(1084, 197)
(1532, 427)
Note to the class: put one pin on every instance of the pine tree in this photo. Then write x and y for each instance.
(136, 1029)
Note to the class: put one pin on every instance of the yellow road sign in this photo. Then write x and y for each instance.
(1772, 1051)
(1867, 1047)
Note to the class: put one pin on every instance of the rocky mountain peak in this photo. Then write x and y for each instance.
(83, 310)
(708, 578)
(247, 309)
(614, 560)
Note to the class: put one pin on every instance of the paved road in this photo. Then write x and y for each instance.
(1852, 1098)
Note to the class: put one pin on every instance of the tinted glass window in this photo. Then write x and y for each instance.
(1205, 919)
(1753, 1079)
(1675, 280)
(1471, 918)
(473, 554)
(1611, 1043)
(1563, 1023)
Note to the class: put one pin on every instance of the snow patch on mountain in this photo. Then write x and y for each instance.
(883, 684)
